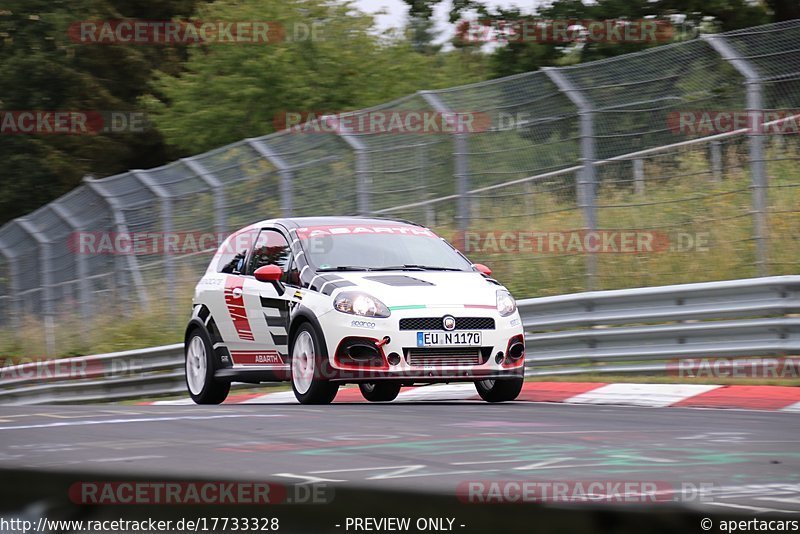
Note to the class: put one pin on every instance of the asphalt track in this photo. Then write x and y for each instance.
(741, 460)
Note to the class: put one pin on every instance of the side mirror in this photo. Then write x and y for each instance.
(268, 273)
(483, 269)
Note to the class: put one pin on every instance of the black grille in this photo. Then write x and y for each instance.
(435, 323)
(444, 356)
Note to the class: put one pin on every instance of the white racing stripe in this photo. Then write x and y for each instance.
(792, 408)
(439, 393)
(280, 397)
(640, 394)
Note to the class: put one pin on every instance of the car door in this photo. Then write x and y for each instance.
(266, 304)
(221, 290)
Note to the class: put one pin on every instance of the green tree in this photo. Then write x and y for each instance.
(44, 70)
(784, 9)
(514, 57)
(231, 91)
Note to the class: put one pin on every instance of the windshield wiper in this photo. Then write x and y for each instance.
(414, 267)
(345, 268)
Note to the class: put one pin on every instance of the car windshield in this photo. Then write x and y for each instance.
(385, 248)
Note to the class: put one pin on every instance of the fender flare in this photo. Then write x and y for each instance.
(301, 314)
(222, 356)
(194, 322)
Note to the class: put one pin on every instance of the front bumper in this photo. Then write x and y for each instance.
(425, 377)
(400, 358)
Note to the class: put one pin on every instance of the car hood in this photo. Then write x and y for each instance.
(425, 288)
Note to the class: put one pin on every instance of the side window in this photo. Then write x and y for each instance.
(271, 248)
(291, 276)
(233, 252)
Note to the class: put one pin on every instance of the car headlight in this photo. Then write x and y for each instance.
(360, 304)
(506, 305)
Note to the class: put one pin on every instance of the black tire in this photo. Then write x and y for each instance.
(499, 390)
(207, 390)
(380, 391)
(320, 390)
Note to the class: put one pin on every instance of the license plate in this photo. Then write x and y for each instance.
(439, 339)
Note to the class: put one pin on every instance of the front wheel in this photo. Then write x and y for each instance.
(309, 364)
(380, 391)
(200, 366)
(499, 390)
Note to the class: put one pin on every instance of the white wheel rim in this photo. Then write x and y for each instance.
(303, 361)
(196, 365)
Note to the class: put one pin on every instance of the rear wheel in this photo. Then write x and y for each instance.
(200, 367)
(499, 390)
(309, 365)
(380, 391)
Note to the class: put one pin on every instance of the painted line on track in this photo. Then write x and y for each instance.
(134, 420)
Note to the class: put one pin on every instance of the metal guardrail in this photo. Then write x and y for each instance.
(622, 331)
(585, 332)
(115, 376)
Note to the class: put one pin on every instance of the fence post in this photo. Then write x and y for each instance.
(284, 171)
(81, 269)
(165, 200)
(13, 284)
(461, 163)
(422, 165)
(587, 182)
(363, 182)
(217, 190)
(755, 136)
(638, 176)
(47, 282)
(716, 161)
(122, 228)
(363, 200)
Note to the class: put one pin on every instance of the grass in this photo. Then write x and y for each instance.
(681, 200)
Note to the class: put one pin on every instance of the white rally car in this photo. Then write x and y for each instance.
(331, 300)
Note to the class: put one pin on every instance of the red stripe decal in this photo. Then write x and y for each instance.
(234, 299)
